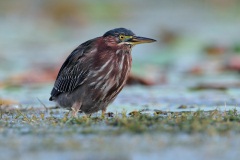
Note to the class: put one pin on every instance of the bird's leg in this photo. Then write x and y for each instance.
(75, 109)
(103, 112)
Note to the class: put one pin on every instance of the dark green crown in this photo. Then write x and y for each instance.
(118, 31)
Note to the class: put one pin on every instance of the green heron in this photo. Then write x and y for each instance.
(96, 71)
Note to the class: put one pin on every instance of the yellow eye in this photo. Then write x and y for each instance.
(121, 36)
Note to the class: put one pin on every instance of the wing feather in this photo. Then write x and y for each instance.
(74, 71)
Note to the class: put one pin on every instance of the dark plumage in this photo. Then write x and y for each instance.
(95, 72)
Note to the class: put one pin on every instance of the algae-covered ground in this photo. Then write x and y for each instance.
(44, 134)
(189, 109)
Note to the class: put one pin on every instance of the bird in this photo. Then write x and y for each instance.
(95, 72)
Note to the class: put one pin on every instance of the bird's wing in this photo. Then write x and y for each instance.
(73, 72)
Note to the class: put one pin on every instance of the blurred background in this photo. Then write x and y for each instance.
(198, 42)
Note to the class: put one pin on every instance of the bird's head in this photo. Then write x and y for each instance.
(122, 36)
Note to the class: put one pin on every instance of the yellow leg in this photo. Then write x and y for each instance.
(103, 112)
(75, 109)
(74, 112)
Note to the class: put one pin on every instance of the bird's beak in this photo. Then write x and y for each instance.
(138, 40)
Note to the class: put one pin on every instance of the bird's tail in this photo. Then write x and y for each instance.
(51, 98)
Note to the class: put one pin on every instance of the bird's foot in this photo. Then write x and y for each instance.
(75, 109)
(74, 113)
(85, 116)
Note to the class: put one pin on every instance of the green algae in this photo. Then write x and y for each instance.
(55, 121)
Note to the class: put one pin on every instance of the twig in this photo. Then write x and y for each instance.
(43, 104)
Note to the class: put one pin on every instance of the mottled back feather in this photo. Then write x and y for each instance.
(73, 73)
